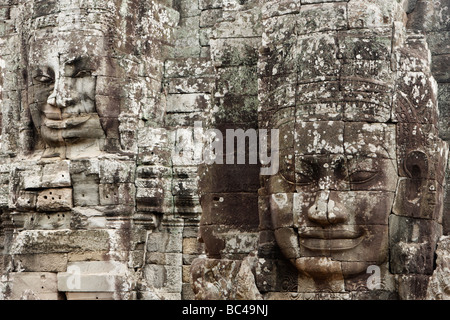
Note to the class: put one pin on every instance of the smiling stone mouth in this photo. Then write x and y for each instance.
(332, 240)
(66, 123)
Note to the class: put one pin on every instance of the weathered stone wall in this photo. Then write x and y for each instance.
(90, 196)
(103, 191)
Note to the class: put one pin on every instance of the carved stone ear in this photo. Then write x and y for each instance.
(416, 165)
(416, 195)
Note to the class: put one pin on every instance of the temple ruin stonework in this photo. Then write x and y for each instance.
(224, 149)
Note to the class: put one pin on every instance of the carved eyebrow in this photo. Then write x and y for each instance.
(44, 70)
(78, 63)
(47, 72)
(362, 164)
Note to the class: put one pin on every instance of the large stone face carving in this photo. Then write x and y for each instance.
(353, 144)
(360, 184)
(331, 200)
(333, 194)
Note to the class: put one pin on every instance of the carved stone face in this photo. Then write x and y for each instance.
(63, 89)
(331, 200)
(359, 153)
(333, 195)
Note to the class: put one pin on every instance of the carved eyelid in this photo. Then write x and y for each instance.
(295, 182)
(43, 72)
(308, 173)
(82, 72)
(309, 177)
(286, 179)
(80, 67)
(44, 78)
(372, 175)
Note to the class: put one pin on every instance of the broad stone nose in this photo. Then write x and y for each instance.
(61, 95)
(51, 100)
(318, 212)
(337, 212)
(327, 210)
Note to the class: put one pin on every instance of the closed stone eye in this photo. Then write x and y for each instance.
(82, 73)
(362, 176)
(298, 178)
(43, 79)
(303, 178)
(288, 176)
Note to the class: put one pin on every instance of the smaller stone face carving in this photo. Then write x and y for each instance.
(62, 92)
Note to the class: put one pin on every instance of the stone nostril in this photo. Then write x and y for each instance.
(336, 213)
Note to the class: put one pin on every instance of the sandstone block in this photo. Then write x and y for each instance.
(33, 286)
(210, 4)
(249, 22)
(167, 242)
(278, 8)
(60, 241)
(26, 200)
(234, 52)
(165, 278)
(322, 17)
(413, 287)
(54, 200)
(367, 14)
(93, 276)
(116, 171)
(56, 175)
(40, 262)
(90, 296)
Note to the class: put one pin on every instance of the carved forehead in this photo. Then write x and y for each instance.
(58, 49)
(80, 24)
(339, 137)
(43, 46)
(314, 16)
(70, 9)
(65, 42)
